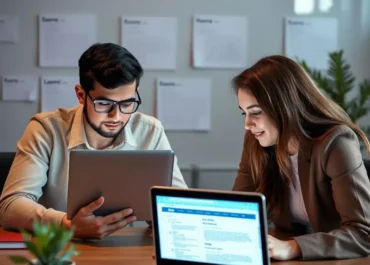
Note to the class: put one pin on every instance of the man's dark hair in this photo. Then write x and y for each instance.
(109, 64)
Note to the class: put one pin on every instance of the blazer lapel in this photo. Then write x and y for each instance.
(307, 179)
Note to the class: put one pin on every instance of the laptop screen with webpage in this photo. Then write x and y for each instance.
(209, 230)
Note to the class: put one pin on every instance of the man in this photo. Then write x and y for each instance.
(106, 118)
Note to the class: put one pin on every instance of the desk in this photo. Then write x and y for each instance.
(133, 246)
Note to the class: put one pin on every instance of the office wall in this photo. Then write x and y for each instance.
(220, 147)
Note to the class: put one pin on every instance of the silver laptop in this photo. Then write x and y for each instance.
(193, 226)
(123, 177)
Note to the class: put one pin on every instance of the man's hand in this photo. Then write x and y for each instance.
(87, 225)
(283, 250)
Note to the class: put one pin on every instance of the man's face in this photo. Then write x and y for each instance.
(107, 125)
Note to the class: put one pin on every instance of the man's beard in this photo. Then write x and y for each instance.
(99, 129)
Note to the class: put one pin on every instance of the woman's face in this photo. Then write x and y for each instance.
(256, 121)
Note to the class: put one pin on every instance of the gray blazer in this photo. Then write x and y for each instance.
(336, 193)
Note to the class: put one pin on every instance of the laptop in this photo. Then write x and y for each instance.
(194, 226)
(123, 177)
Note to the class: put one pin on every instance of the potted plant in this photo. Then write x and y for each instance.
(337, 82)
(46, 244)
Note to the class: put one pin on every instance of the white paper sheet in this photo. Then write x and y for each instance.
(184, 103)
(64, 37)
(311, 39)
(219, 41)
(8, 28)
(152, 40)
(20, 88)
(58, 92)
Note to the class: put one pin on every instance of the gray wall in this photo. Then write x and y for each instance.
(221, 147)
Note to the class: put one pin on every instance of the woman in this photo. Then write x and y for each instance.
(302, 151)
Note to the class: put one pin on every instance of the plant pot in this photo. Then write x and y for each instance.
(68, 262)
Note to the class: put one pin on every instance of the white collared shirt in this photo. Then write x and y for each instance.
(40, 170)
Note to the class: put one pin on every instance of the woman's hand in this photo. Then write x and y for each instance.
(283, 250)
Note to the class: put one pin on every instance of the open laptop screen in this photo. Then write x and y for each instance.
(209, 230)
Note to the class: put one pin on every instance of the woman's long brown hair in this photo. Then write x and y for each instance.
(289, 97)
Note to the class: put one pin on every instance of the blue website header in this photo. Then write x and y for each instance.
(209, 213)
(182, 201)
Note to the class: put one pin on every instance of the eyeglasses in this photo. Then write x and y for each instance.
(127, 106)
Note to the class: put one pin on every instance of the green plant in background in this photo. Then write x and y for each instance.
(47, 243)
(337, 82)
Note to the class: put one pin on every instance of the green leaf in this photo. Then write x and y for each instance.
(26, 236)
(39, 229)
(69, 253)
(338, 81)
(339, 71)
(19, 259)
(47, 244)
(41, 235)
(59, 241)
(356, 111)
(321, 81)
(364, 92)
(33, 248)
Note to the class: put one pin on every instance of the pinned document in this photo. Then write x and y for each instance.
(311, 39)
(184, 103)
(20, 88)
(152, 40)
(58, 92)
(63, 38)
(219, 41)
(8, 28)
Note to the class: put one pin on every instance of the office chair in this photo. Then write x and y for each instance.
(6, 160)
